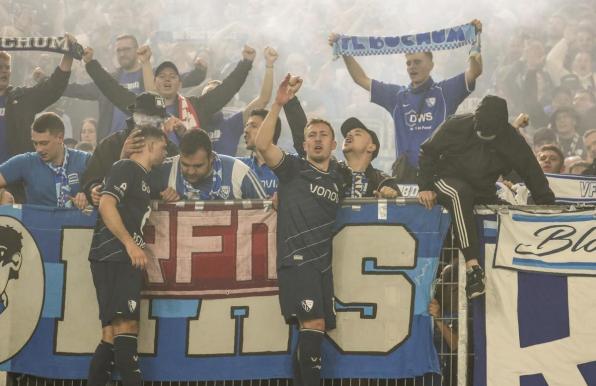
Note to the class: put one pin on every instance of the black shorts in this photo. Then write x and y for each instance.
(118, 288)
(306, 293)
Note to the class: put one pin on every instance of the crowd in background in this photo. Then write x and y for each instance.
(539, 57)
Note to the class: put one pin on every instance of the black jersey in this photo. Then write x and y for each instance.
(308, 203)
(128, 183)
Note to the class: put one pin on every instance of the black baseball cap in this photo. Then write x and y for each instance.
(150, 104)
(355, 123)
(167, 64)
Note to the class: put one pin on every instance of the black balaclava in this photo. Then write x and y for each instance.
(490, 117)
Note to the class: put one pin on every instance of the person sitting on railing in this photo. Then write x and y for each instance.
(51, 174)
(199, 173)
(460, 164)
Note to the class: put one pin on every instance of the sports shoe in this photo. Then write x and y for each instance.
(475, 282)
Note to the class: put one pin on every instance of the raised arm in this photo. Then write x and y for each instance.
(264, 141)
(144, 55)
(51, 89)
(266, 88)
(120, 96)
(356, 71)
(475, 59)
(210, 103)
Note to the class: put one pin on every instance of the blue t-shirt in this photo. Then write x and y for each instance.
(236, 181)
(418, 112)
(3, 137)
(264, 174)
(39, 179)
(225, 132)
(172, 110)
(132, 82)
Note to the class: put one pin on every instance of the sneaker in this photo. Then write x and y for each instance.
(475, 282)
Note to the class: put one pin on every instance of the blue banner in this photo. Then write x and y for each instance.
(385, 259)
(535, 325)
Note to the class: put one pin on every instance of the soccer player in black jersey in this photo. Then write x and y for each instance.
(117, 259)
(309, 193)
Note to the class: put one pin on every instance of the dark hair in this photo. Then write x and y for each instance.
(48, 122)
(148, 131)
(569, 110)
(70, 142)
(85, 146)
(553, 148)
(544, 134)
(263, 113)
(129, 37)
(313, 121)
(194, 140)
(11, 239)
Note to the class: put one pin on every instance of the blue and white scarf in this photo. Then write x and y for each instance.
(443, 39)
(194, 194)
(61, 181)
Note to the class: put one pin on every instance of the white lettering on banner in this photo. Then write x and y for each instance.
(194, 244)
(21, 297)
(390, 293)
(557, 360)
(218, 322)
(261, 326)
(79, 329)
(247, 219)
(560, 243)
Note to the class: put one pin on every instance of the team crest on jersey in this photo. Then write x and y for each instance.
(132, 306)
(225, 191)
(430, 102)
(307, 304)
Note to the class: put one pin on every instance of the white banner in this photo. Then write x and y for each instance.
(563, 243)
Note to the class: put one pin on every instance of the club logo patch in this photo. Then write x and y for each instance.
(307, 304)
(430, 102)
(132, 305)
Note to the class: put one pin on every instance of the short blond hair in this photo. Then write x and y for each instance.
(314, 121)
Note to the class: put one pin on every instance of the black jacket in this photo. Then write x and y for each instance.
(90, 92)
(22, 103)
(106, 154)
(297, 121)
(205, 105)
(454, 150)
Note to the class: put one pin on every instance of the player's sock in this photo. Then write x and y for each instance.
(296, 365)
(127, 359)
(102, 363)
(309, 356)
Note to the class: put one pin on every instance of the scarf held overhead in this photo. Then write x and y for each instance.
(443, 39)
(57, 44)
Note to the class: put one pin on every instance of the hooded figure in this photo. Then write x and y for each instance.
(460, 164)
